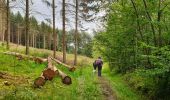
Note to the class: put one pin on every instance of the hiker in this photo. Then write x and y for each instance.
(98, 64)
(94, 66)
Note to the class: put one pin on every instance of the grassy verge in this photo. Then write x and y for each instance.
(122, 90)
(83, 85)
(45, 53)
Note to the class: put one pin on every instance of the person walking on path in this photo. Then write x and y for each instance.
(98, 64)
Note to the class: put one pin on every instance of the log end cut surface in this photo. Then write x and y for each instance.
(39, 82)
(67, 80)
(49, 74)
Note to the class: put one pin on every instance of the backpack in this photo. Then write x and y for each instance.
(98, 62)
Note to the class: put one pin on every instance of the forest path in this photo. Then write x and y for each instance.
(106, 89)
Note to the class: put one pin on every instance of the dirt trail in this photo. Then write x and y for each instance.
(106, 89)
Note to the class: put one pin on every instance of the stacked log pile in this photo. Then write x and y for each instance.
(49, 73)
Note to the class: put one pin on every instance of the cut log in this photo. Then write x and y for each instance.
(71, 68)
(65, 79)
(51, 71)
(40, 81)
(49, 74)
(22, 56)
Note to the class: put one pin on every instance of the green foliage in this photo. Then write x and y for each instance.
(121, 88)
(136, 40)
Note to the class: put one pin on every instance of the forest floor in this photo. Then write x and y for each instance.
(17, 77)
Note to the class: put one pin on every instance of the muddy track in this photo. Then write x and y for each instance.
(106, 89)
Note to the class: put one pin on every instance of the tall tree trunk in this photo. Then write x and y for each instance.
(150, 19)
(35, 37)
(54, 33)
(44, 42)
(39, 41)
(159, 23)
(27, 27)
(8, 25)
(49, 41)
(138, 23)
(33, 40)
(75, 36)
(63, 35)
(18, 35)
(1, 21)
(12, 33)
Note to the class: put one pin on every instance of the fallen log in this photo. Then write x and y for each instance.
(40, 81)
(22, 56)
(50, 72)
(65, 79)
(71, 68)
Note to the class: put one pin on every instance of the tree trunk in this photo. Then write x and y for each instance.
(12, 33)
(40, 81)
(75, 36)
(138, 23)
(49, 41)
(64, 36)
(159, 23)
(27, 27)
(18, 35)
(54, 33)
(39, 41)
(33, 41)
(65, 79)
(22, 56)
(71, 68)
(150, 19)
(8, 25)
(44, 42)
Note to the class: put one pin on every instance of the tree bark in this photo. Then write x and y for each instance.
(64, 34)
(65, 79)
(75, 36)
(27, 27)
(40, 81)
(44, 41)
(18, 34)
(54, 32)
(150, 19)
(159, 23)
(49, 41)
(8, 25)
(71, 68)
(33, 41)
(138, 23)
(22, 56)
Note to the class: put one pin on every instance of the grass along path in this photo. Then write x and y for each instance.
(121, 89)
(85, 85)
